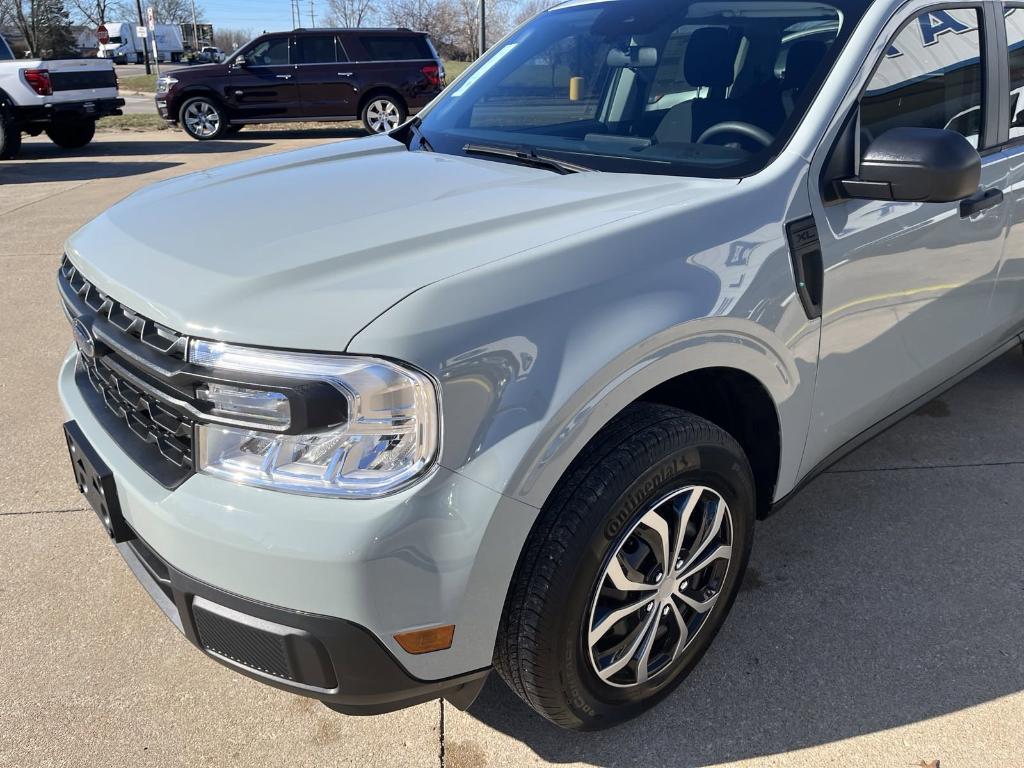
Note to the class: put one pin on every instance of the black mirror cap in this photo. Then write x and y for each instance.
(918, 165)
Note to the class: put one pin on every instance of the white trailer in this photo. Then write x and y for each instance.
(124, 47)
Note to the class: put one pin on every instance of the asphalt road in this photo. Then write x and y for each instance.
(880, 623)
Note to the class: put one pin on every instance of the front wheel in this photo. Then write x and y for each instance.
(203, 119)
(72, 134)
(630, 570)
(383, 113)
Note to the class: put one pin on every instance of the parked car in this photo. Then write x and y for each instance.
(210, 54)
(509, 387)
(379, 76)
(62, 98)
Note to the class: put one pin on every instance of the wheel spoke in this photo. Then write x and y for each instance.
(697, 605)
(684, 520)
(707, 538)
(684, 631)
(617, 576)
(613, 618)
(722, 552)
(643, 665)
(657, 523)
(630, 652)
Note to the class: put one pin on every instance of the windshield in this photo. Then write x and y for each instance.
(649, 86)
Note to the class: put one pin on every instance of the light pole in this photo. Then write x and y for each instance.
(195, 31)
(483, 27)
(145, 44)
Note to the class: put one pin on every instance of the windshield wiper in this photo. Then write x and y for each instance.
(526, 157)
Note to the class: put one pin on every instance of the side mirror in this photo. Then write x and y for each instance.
(919, 165)
(239, 62)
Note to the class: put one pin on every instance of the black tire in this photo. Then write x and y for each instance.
(383, 112)
(72, 134)
(217, 120)
(10, 135)
(642, 454)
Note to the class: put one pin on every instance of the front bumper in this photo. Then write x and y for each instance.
(350, 574)
(330, 659)
(71, 110)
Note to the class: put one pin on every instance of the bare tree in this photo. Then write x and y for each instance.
(45, 25)
(350, 13)
(92, 12)
(527, 9)
(166, 11)
(228, 39)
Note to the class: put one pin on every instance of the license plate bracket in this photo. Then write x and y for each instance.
(96, 482)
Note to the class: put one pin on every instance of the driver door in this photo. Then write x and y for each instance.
(907, 286)
(266, 86)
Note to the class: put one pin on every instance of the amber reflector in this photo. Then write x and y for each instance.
(427, 640)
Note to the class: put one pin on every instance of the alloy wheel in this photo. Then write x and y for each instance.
(202, 119)
(382, 115)
(659, 586)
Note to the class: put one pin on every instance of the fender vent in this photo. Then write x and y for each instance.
(805, 251)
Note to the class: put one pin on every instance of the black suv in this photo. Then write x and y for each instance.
(376, 75)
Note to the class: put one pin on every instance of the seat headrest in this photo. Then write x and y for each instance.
(801, 62)
(710, 58)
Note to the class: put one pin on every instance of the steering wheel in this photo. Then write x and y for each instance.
(734, 126)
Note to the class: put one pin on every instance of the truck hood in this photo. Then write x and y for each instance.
(305, 248)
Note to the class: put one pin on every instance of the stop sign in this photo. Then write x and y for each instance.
(102, 36)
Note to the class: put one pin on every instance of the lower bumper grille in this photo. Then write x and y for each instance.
(236, 639)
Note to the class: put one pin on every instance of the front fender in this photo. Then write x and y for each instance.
(731, 343)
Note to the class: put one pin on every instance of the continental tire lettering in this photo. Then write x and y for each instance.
(646, 489)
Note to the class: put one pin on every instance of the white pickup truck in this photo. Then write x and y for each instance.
(64, 98)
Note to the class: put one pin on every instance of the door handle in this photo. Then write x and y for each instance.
(285, 77)
(980, 201)
(344, 74)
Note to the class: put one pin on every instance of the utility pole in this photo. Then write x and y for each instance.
(195, 30)
(145, 44)
(483, 27)
(312, 21)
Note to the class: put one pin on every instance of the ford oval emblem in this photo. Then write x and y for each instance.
(83, 338)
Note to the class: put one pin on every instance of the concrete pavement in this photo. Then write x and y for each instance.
(880, 624)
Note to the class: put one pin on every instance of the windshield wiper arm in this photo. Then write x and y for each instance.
(526, 157)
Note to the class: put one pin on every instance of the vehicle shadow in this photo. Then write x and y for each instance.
(104, 147)
(882, 595)
(354, 132)
(35, 173)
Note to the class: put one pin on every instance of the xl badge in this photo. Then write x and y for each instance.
(83, 338)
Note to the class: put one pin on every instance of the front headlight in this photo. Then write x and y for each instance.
(388, 436)
(164, 84)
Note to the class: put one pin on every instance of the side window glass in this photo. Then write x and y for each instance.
(269, 53)
(931, 77)
(339, 48)
(395, 48)
(314, 49)
(1015, 40)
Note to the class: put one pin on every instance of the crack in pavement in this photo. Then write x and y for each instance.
(44, 511)
(926, 466)
(440, 731)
